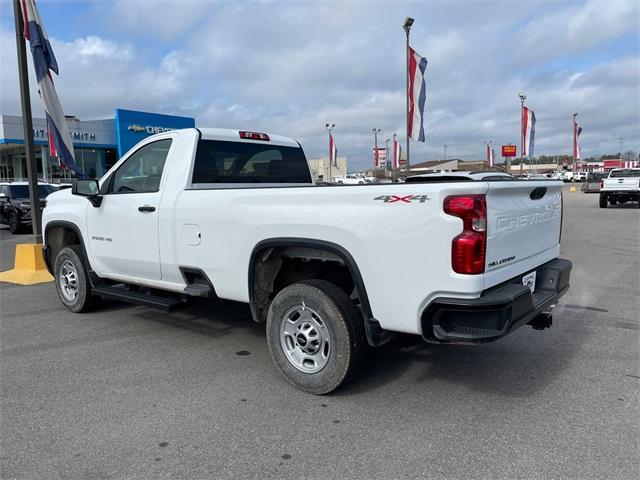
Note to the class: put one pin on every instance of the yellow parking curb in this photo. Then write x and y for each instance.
(572, 188)
(29, 267)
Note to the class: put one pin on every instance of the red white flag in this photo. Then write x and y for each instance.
(489, 155)
(397, 151)
(577, 130)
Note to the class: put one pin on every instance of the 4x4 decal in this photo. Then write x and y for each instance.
(403, 198)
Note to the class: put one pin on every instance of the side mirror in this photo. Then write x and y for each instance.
(89, 189)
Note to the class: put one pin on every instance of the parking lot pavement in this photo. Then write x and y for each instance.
(128, 392)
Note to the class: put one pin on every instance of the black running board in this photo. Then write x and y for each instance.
(149, 300)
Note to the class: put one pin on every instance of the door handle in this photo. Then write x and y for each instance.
(146, 208)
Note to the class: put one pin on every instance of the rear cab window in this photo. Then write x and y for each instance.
(222, 162)
(624, 173)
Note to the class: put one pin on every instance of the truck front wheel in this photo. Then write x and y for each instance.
(72, 280)
(316, 335)
(603, 201)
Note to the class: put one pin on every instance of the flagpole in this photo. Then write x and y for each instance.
(27, 123)
(407, 28)
(521, 135)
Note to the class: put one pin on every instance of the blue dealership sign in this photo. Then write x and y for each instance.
(132, 126)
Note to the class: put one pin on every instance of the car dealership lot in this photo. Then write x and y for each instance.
(130, 392)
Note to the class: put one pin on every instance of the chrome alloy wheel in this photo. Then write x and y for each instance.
(68, 280)
(304, 338)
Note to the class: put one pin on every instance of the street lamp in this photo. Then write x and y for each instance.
(445, 152)
(408, 22)
(329, 127)
(523, 97)
(376, 131)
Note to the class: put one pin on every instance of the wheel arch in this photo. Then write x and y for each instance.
(57, 235)
(375, 334)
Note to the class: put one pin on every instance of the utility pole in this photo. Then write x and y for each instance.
(408, 22)
(620, 141)
(386, 158)
(27, 123)
(330, 127)
(445, 152)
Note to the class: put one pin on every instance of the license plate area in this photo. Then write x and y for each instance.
(529, 280)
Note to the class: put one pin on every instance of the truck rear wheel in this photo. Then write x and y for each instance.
(72, 280)
(603, 201)
(316, 335)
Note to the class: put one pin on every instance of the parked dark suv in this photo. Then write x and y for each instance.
(15, 207)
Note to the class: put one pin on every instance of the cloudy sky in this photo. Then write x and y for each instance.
(289, 67)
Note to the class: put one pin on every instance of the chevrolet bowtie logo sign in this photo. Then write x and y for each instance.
(149, 129)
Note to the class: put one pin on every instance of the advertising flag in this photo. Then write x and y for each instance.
(490, 154)
(528, 131)
(417, 95)
(333, 151)
(44, 62)
(397, 151)
(577, 130)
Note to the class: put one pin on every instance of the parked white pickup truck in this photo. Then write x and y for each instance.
(621, 186)
(331, 270)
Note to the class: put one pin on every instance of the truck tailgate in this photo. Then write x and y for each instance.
(523, 227)
(621, 183)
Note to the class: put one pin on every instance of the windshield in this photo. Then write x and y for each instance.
(624, 173)
(22, 191)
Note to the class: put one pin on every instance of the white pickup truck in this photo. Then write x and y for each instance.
(331, 270)
(621, 186)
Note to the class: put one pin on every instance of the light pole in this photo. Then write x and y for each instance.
(523, 97)
(376, 131)
(408, 22)
(445, 152)
(386, 157)
(620, 141)
(330, 127)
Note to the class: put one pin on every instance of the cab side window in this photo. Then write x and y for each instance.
(142, 171)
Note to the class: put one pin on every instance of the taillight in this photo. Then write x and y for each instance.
(468, 249)
(601, 184)
(254, 136)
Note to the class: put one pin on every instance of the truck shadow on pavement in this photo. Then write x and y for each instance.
(517, 365)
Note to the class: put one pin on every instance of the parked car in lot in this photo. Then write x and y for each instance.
(621, 186)
(350, 179)
(236, 215)
(580, 176)
(592, 183)
(15, 205)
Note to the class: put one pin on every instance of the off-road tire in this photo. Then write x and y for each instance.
(14, 223)
(343, 320)
(603, 201)
(83, 301)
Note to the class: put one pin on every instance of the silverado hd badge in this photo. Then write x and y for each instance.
(403, 198)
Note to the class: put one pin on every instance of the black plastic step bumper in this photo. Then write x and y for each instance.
(499, 310)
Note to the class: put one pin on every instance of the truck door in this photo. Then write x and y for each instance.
(123, 231)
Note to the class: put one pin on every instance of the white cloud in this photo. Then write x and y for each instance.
(290, 67)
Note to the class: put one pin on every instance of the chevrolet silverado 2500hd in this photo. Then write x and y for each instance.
(621, 186)
(331, 270)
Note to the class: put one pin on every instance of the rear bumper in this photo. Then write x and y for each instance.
(631, 193)
(498, 311)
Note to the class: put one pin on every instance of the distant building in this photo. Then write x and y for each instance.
(320, 168)
(97, 144)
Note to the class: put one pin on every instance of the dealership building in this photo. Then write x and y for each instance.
(98, 144)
